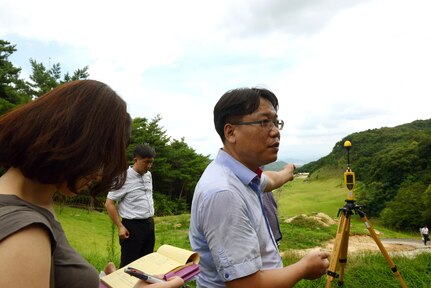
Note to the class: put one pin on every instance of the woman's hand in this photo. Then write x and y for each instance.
(174, 282)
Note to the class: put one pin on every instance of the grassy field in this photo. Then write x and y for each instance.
(93, 235)
(305, 197)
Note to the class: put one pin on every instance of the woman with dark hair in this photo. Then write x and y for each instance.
(71, 140)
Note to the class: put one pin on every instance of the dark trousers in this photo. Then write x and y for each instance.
(140, 242)
(426, 238)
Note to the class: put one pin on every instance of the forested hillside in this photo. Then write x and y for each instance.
(393, 172)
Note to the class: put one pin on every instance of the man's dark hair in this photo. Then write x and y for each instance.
(144, 151)
(239, 102)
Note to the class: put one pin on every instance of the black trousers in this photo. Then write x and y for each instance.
(140, 242)
(426, 238)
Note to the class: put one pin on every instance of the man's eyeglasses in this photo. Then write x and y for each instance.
(265, 123)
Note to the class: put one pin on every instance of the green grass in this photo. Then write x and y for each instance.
(371, 270)
(173, 230)
(305, 197)
(87, 231)
(94, 236)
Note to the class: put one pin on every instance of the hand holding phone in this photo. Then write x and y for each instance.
(141, 275)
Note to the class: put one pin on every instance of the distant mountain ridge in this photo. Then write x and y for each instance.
(275, 166)
(369, 142)
(278, 165)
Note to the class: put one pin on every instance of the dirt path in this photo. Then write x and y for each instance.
(394, 247)
(363, 243)
(405, 247)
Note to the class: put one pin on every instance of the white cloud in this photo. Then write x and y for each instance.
(338, 67)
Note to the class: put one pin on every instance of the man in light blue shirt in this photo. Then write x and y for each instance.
(228, 226)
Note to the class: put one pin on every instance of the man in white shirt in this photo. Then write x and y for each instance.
(133, 214)
(425, 234)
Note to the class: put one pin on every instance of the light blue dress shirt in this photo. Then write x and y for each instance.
(227, 226)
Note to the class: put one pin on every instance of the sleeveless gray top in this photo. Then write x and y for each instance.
(69, 268)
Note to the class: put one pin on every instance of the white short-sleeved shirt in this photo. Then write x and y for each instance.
(135, 198)
(227, 226)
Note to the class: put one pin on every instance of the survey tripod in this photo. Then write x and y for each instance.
(339, 252)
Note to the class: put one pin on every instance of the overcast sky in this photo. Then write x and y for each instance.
(337, 67)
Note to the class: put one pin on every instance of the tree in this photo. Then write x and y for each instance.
(373, 196)
(404, 211)
(177, 167)
(44, 80)
(15, 91)
(12, 88)
(186, 169)
(426, 199)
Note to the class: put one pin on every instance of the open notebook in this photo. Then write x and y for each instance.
(167, 260)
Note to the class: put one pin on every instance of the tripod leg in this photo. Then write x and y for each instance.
(343, 253)
(382, 248)
(338, 250)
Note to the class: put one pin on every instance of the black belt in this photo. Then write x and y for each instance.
(146, 220)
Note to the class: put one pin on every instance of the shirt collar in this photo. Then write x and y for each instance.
(239, 169)
(136, 174)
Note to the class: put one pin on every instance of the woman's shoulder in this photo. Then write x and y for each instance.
(16, 214)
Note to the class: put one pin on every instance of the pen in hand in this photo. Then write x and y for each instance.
(141, 275)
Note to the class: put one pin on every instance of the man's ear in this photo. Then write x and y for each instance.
(230, 133)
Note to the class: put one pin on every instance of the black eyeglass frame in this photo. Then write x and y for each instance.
(277, 123)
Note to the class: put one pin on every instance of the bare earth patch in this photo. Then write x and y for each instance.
(365, 243)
